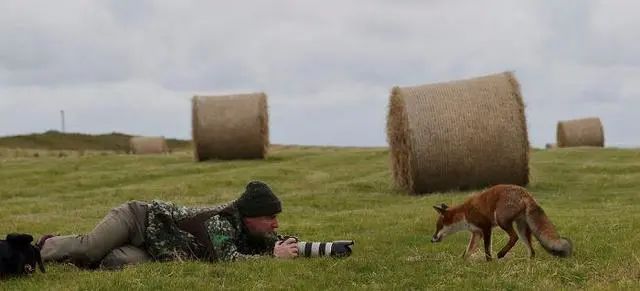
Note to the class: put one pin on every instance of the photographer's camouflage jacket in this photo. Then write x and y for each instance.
(217, 233)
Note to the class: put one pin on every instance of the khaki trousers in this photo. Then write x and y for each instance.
(116, 241)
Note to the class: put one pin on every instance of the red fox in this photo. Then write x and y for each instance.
(501, 205)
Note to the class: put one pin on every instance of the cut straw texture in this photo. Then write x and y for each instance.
(580, 132)
(148, 145)
(230, 126)
(458, 135)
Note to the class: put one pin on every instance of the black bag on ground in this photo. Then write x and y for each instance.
(18, 256)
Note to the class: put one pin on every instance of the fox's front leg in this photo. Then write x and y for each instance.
(486, 235)
(473, 244)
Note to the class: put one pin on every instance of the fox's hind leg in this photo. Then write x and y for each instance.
(513, 238)
(525, 234)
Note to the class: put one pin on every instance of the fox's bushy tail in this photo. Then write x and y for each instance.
(546, 233)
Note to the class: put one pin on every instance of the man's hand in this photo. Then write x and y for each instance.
(286, 249)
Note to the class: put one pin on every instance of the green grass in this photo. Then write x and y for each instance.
(592, 196)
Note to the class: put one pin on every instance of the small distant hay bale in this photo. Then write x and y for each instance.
(230, 127)
(148, 145)
(550, 146)
(458, 135)
(580, 132)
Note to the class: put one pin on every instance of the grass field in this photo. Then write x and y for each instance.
(592, 196)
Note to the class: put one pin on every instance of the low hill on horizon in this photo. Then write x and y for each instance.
(55, 140)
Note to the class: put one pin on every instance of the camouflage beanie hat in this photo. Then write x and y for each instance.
(258, 200)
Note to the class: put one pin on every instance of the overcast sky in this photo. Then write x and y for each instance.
(327, 66)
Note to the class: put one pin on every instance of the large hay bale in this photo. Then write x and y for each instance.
(580, 132)
(458, 135)
(148, 145)
(230, 127)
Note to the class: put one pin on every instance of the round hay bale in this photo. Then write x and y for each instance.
(580, 132)
(230, 127)
(458, 135)
(148, 145)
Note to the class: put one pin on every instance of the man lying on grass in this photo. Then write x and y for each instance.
(137, 231)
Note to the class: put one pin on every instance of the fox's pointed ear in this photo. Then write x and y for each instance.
(442, 208)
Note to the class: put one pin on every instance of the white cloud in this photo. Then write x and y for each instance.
(327, 66)
(134, 107)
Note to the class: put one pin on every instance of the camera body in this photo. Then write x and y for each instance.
(338, 248)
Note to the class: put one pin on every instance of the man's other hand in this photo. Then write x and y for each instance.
(286, 249)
